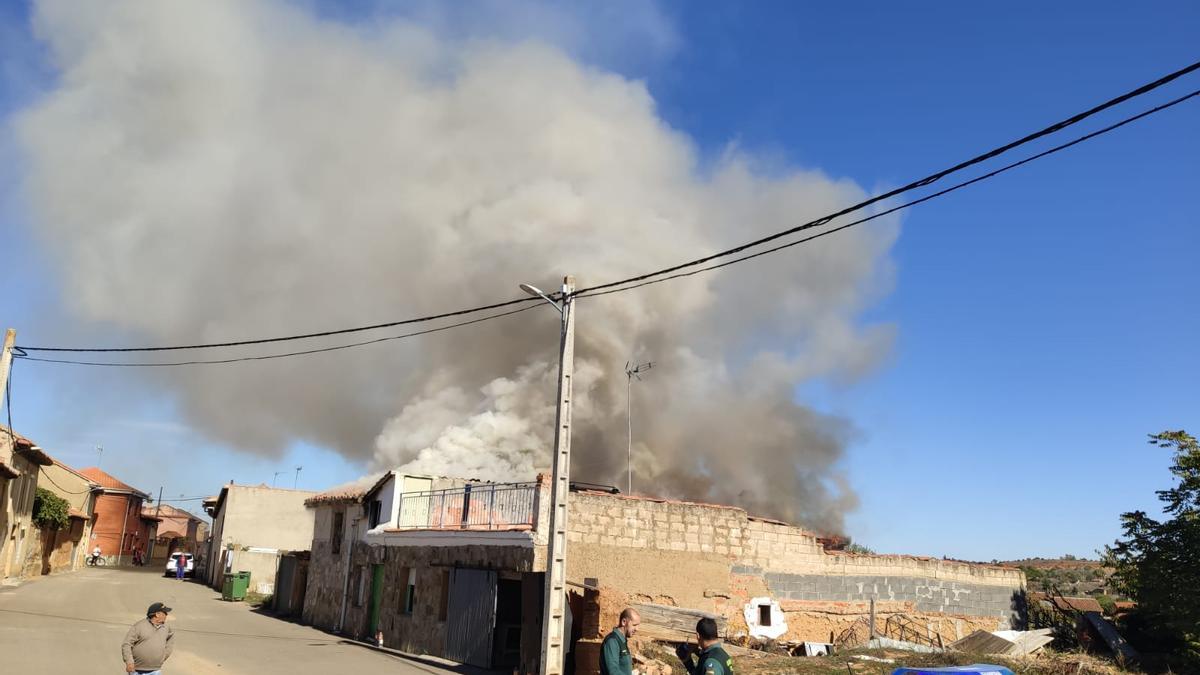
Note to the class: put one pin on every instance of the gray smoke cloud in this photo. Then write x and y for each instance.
(233, 169)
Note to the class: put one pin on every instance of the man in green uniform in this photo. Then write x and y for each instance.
(615, 658)
(713, 659)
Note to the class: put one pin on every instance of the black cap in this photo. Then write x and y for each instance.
(156, 608)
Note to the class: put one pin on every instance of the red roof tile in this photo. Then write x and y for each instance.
(106, 480)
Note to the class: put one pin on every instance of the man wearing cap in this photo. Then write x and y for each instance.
(149, 642)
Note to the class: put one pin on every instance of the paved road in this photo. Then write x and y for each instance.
(73, 624)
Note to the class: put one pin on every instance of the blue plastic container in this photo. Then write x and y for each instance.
(973, 669)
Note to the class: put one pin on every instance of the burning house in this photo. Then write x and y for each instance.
(455, 568)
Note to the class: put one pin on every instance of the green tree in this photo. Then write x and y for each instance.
(50, 511)
(1157, 563)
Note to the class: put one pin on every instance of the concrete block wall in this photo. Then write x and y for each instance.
(790, 560)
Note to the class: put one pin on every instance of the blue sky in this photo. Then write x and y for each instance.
(1046, 320)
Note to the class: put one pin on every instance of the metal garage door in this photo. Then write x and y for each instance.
(471, 614)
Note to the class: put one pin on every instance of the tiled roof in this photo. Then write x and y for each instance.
(346, 494)
(106, 480)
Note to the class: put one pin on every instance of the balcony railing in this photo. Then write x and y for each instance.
(485, 506)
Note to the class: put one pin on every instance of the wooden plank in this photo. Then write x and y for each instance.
(673, 624)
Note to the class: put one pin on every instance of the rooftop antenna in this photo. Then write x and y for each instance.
(296, 481)
(631, 371)
(275, 479)
(99, 455)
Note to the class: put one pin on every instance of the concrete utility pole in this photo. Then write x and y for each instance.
(555, 600)
(10, 336)
(630, 373)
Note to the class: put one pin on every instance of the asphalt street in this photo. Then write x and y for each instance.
(73, 624)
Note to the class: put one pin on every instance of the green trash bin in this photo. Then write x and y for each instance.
(241, 584)
(227, 586)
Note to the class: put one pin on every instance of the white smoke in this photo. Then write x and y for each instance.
(233, 168)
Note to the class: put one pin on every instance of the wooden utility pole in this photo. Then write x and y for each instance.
(555, 601)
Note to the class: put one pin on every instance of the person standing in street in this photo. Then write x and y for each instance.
(713, 658)
(615, 658)
(148, 643)
(180, 566)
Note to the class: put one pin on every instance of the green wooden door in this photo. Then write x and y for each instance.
(376, 598)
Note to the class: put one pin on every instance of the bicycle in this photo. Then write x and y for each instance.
(95, 561)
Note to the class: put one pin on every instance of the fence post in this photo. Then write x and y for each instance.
(466, 507)
(491, 506)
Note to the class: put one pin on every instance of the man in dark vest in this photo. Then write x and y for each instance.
(713, 659)
(615, 658)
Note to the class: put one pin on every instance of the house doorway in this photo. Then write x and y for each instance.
(376, 600)
(506, 650)
(471, 616)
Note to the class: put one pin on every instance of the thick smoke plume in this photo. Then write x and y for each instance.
(233, 169)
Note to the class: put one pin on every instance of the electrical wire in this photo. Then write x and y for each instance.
(198, 362)
(595, 290)
(928, 180)
(305, 336)
(957, 186)
(653, 279)
(61, 488)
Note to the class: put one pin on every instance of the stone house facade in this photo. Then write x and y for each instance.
(456, 570)
(21, 461)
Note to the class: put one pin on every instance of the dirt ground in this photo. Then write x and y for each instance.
(844, 663)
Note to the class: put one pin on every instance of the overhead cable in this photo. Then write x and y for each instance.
(595, 290)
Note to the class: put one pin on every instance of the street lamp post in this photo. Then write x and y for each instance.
(555, 600)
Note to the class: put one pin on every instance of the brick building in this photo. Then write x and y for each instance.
(455, 569)
(178, 530)
(119, 526)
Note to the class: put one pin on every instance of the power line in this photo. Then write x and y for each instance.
(647, 280)
(265, 357)
(595, 290)
(957, 186)
(305, 336)
(928, 180)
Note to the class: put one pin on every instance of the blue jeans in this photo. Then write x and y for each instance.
(179, 572)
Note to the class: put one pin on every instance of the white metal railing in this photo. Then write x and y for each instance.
(483, 506)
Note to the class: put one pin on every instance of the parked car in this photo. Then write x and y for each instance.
(189, 569)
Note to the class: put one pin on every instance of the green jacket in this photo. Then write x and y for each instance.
(615, 658)
(713, 661)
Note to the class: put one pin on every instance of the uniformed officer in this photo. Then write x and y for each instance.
(615, 658)
(713, 659)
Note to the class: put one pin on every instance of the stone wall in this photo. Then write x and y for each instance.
(327, 571)
(715, 558)
(424, 630)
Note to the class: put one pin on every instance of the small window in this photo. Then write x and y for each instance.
(764, 615)
(410, 595)
(360, 593)
(376, 513)
(335, 534)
